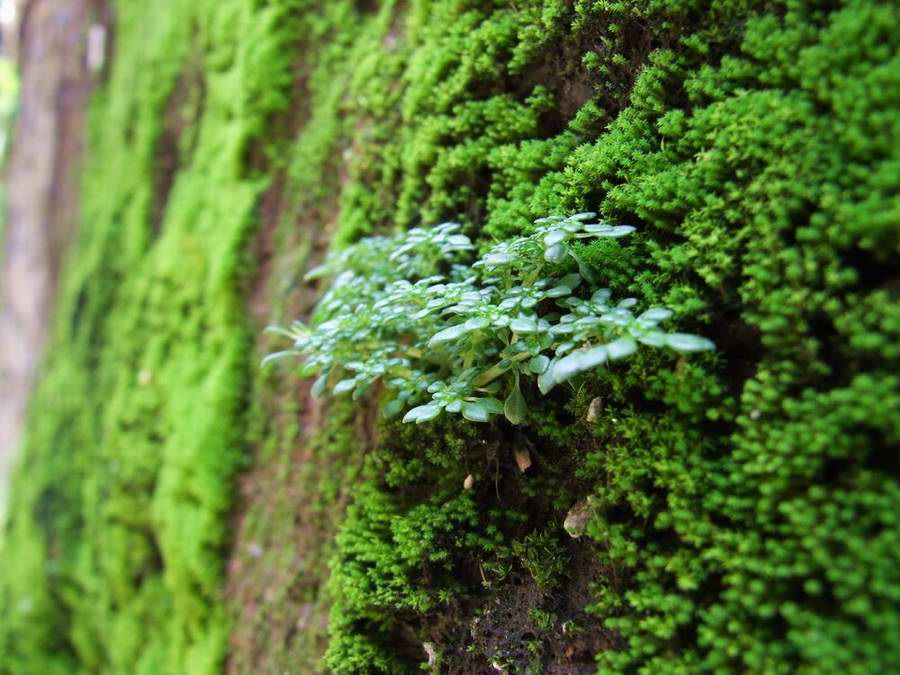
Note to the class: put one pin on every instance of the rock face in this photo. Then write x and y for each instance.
(182, 510)
(42, 198)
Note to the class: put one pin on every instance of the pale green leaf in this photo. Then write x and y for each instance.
(277, 356)
(554, 237)
(448, 334)
(515, 407)
(546, 381)
(475, 412)
(556, 253)
(656, 314)
(423, 413)
(492, 405)
(344, 386)
(685, 342)
(578, 362)
(538, 364)
(619, 349)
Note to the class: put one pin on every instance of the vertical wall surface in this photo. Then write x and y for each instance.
(178, 509)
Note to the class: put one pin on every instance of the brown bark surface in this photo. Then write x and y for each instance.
(42, 197)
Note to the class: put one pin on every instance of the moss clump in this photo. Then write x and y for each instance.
(732, 497)
(118, 530)
(743, 503)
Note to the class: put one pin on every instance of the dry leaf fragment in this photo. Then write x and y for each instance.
(594, 409)
(431, 652)
(523, 460)
(576, 519)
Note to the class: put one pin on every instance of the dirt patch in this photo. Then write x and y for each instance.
(523, 604)
(283, 523)
(525, 628)
(183, 110)
(600, 63)
(272, 573)
(278, 563)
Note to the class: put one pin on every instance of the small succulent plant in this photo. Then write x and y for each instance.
(444, 333)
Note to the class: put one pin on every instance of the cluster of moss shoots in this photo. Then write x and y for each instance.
(443, 332)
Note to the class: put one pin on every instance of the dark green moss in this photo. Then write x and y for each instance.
(743, 502)
(753, 152)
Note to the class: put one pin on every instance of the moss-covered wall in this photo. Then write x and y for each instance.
(743, 505)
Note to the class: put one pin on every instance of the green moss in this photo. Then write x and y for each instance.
(542, 556)
(754, 155)
(743, 501)
(543, 621)
(120, 510)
